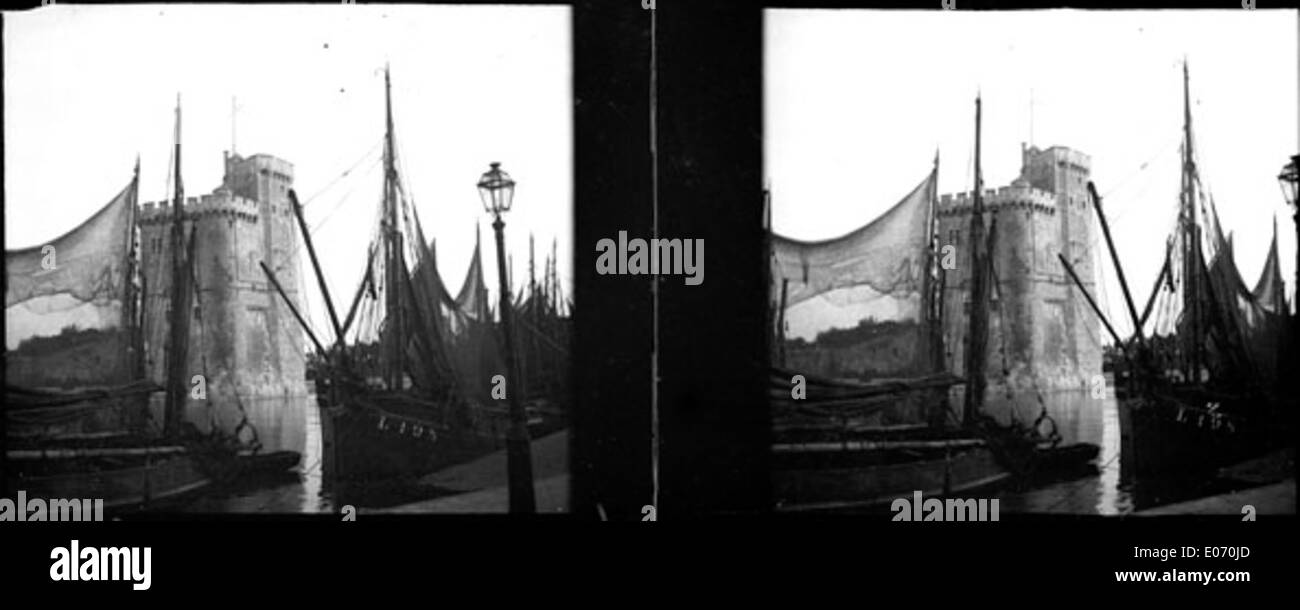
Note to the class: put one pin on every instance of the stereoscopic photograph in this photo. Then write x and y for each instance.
(1032, 261)
(288, 259)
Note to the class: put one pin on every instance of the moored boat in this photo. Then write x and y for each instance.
(78, 411)
(1198, 383)
(858, 444)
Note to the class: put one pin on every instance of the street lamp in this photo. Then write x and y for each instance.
(497, 190)
(1290, 181)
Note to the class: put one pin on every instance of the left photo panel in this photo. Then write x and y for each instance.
(288, 259)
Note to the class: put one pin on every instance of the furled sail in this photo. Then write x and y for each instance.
(68, 310)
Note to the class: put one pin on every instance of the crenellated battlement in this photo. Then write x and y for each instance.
(1018, 195)
(1061, 156)
(217, 204)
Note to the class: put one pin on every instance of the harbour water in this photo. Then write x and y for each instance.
(302, 490)
(1078, 417)
(1082, 418)
(293, 423)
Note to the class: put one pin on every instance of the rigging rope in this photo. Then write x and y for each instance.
(343, 175)
(1162, 151)
(302, 243)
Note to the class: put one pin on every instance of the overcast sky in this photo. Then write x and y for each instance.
(857, 102)
(89, 88)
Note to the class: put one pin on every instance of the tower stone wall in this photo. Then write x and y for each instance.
(244, 340)
(1042, 335)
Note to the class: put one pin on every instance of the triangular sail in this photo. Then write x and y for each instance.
(472, 298)
(1270, 291)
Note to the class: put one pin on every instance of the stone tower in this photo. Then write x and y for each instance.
(243, 339)
(1040, 329)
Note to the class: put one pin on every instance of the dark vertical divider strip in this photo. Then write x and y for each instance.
(713, 346)
(610, 462)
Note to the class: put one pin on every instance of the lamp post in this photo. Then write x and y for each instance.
(1290, 181)
(497, 190)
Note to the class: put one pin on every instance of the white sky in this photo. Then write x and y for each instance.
(857, 102)
(87, 88)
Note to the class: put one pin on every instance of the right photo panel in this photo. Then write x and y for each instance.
(1029, 262)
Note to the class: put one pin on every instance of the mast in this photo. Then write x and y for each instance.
(1119, 268)
(1191, 243)
(392, 252)
(932, 298)
(780, 321)
(275, 283)
(315, 264)
(976, 355)
(131, 301)
(178, 345)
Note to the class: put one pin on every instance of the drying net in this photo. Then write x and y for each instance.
(855, 305)
(68, 304)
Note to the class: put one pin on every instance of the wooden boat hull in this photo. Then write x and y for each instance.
(142, 484)
(368, 448)
(258, 464)
(857, 482)
(1161, 437)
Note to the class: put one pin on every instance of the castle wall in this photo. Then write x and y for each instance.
(1041, 332)
(243, 338)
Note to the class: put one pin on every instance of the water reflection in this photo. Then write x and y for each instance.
(293, 423)
(1110, 501)
(1079, 417)
(289, 423)
(1082, 418)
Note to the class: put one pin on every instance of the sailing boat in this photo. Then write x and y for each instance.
(405, 379)
(1202, 390)
(77, 397)
(543, 331)
(851, 444)
(77, 402)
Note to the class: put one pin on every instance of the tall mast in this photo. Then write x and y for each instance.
(178, 345)
(932, 298)
(131, 299)
(393, 313)
(978, 326)
(1191, 242)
